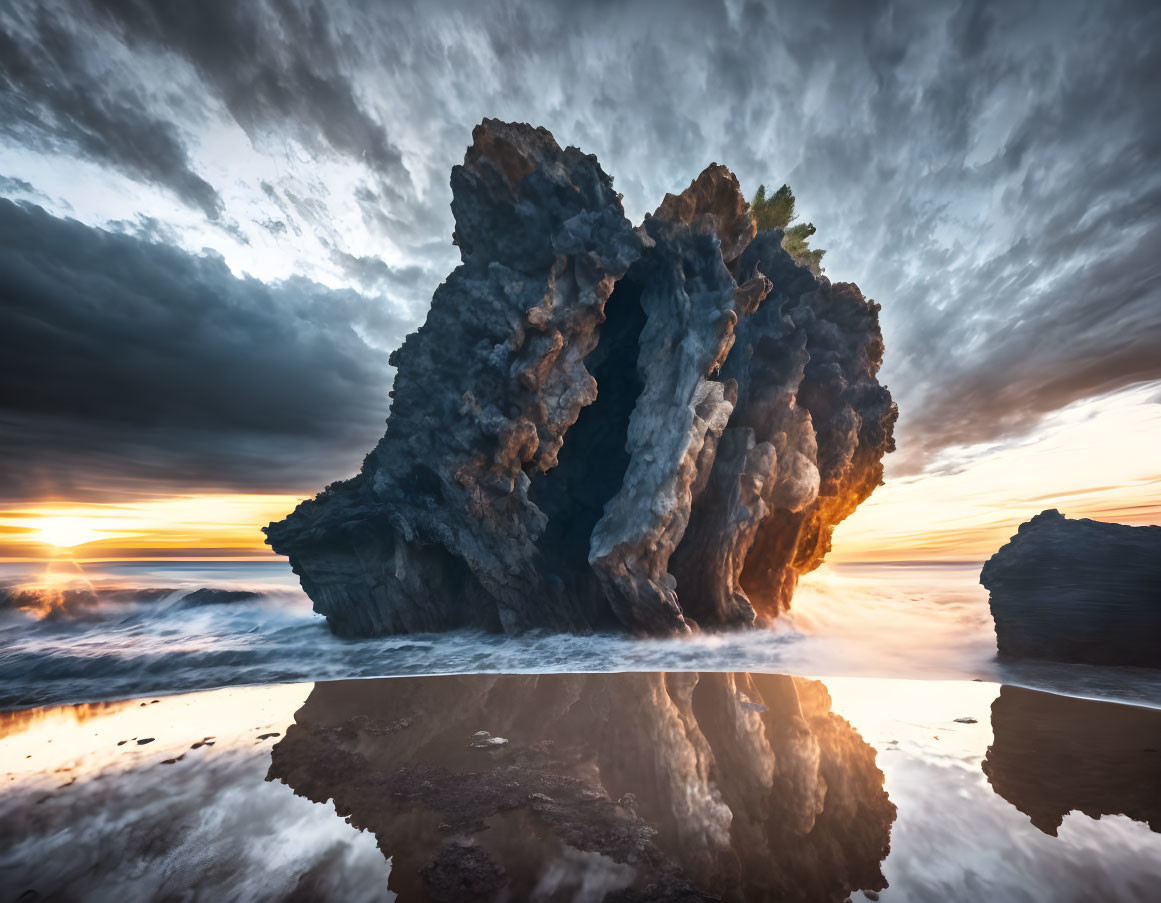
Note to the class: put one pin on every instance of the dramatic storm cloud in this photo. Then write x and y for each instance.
(989, 172)
(126, 364)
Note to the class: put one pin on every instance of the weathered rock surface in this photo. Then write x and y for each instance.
(602, 426)
(1078, 591)
(612, 786)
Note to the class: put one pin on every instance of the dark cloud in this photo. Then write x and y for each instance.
(274, 65)
(127, 365)
(52, 97)
(10, 187)
(371, 272)
(990, 172)
(1097, 331)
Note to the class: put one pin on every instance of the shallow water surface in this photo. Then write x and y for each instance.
(87, 632)
(642, 786)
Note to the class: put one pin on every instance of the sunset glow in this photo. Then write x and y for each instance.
(66, 532)
(211, 526)
(1094, 459)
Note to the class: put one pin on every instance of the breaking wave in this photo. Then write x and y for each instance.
(136, 629)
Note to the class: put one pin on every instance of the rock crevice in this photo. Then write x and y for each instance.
(600, 425)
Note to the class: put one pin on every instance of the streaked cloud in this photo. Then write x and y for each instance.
(987, 171)
(130, 367)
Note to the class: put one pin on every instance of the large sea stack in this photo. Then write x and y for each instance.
(1078, 591)
(602, 426)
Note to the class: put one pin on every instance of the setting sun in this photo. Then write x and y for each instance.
(215, 526)
(66, 532)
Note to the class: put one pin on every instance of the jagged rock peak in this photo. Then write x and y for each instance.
(602, 426)
(713, 202)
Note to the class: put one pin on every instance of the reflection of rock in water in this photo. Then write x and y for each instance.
(615, 786)
(1053, 754)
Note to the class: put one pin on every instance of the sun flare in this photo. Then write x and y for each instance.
(184, 526)
(66, 532)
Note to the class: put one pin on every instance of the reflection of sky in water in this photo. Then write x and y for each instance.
(90, 812)
(955, 838)
(86, 818)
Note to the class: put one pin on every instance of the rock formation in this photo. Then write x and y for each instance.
(1078, 591)
(622, 787)
(1055, 754)
(602, 426)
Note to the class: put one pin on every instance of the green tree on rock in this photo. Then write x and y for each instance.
(777, 212)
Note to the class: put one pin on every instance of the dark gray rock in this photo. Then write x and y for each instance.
(1078, 591)
(803, 447)
(551, 459)
(210, 595)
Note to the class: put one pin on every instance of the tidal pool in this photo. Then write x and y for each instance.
(613, 786)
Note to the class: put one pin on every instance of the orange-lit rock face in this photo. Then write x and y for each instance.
(660, 785)
(602, 426)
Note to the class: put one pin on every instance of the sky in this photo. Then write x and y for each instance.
(217, 219)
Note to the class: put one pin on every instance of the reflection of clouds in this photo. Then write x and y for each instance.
(215, 830)
(955, 838)
(130, 828)
(89, 819)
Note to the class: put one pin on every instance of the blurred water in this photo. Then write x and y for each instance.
(91, 814)
(118, 630)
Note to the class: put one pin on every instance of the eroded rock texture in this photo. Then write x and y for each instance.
(1078, 591)
(622, 787)
(602, 426)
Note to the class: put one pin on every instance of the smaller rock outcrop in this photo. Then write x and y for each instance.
(212, 595)
(1078, 591)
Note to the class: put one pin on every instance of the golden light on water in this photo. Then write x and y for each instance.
(63, 744)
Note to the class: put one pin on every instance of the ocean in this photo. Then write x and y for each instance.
(84, 632)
